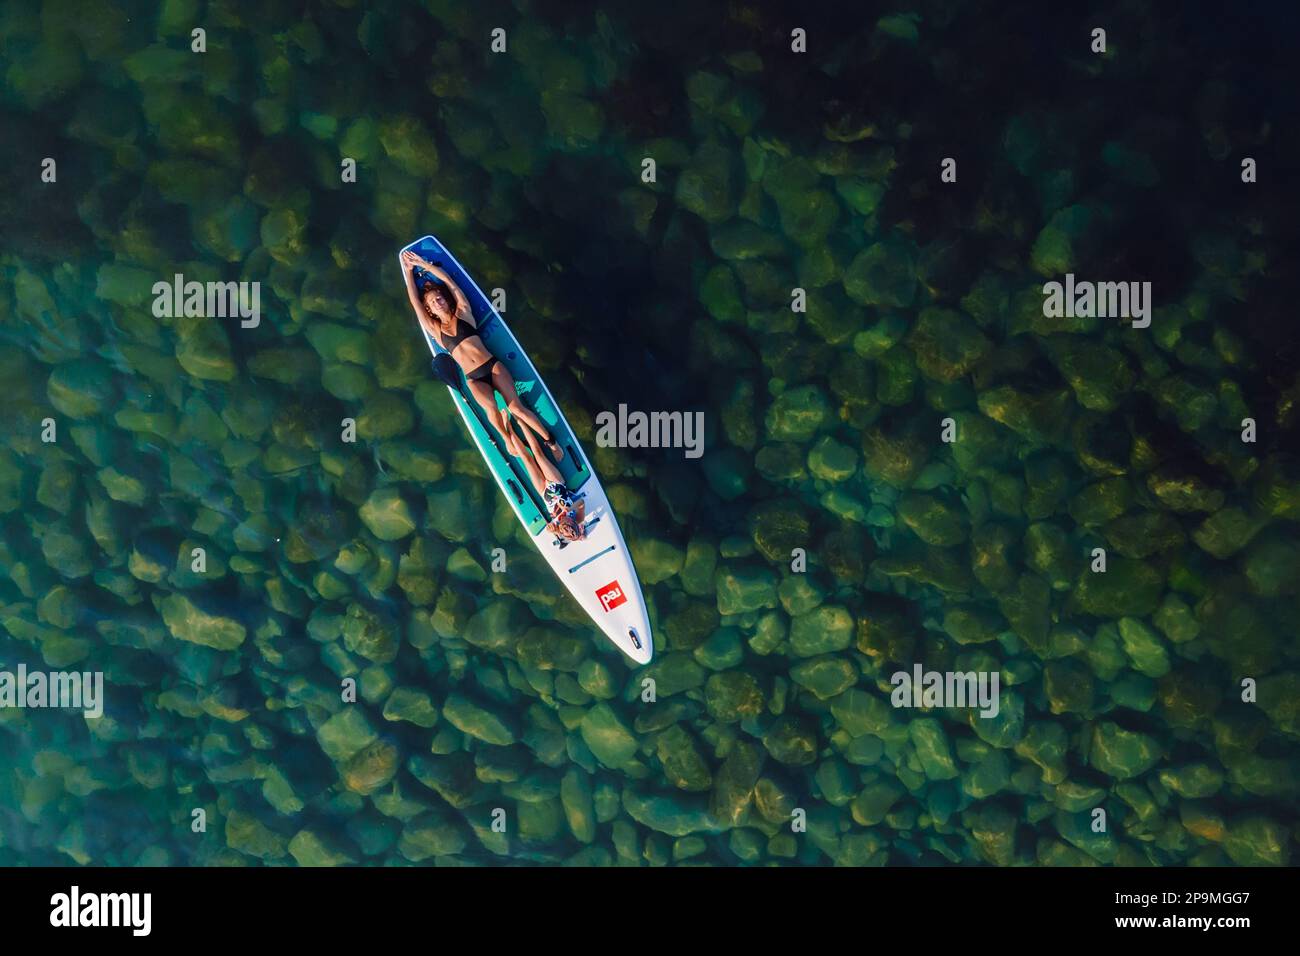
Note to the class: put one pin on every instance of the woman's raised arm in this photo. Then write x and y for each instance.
(409, 261)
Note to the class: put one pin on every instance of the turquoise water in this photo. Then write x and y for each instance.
(490, 722)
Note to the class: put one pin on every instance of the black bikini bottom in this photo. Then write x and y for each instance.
(483, 371)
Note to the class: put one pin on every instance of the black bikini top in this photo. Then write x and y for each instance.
(463, 331)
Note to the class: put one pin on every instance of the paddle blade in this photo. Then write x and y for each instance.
(445, 368)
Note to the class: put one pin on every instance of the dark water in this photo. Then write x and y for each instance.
(1162, 692)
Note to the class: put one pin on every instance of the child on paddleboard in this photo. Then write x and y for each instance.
(567, 515)
(445, 314)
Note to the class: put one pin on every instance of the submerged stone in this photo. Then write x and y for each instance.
(387, 515)
(1121, 753)
(609, 738)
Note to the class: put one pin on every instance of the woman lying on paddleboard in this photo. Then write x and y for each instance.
(444, 313)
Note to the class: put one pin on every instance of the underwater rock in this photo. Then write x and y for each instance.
(800, 594)
(430, 836)
(688, 627)
(1068, 686)
(682, 764)
(742, 239)
(540, 820)
(311, 849)
(1279, 696)
(609, 738)
(386, 515)
(372, 768)
(81, 389)
(778, 527)
(991, 553)
(883, 275)
(1040, 418)
(707, 186)
(1121, 753)
(733, 784)
(1145, 534)
(671, 814)
(1099, 375)
(1192, 781)
(933, 521)
(1226, 532)
(895, 459)
(733, 696)
(933, 749)
(384, 415)
(826, 677)
(791, 740)
(1272, 565)
(579, 807)
(972, 625)
(831, 461)
(675, 673)
(478, 721)
(345, 734)
(728, 473)
(412, 705)
(824, 630)
(723, 649)
(1257, 841)
(248, 835)
(1027, 609)
(188, 622)
(741, 589)
(874, 802)
(372, 634)
(1127, 588)
(1143, 647)
(229, 231)
(797, 414)
(947, 344)
(1048, 551)
(1184, 492)
(656, 560)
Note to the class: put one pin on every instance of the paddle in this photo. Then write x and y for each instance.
(447, 371)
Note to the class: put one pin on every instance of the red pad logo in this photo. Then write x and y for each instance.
(611, 596)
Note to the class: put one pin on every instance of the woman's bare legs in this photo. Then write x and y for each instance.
(504, 383)
(548, 471)
(487, 400)
(535, 475)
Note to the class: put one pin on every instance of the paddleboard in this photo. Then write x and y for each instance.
(597, 570)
